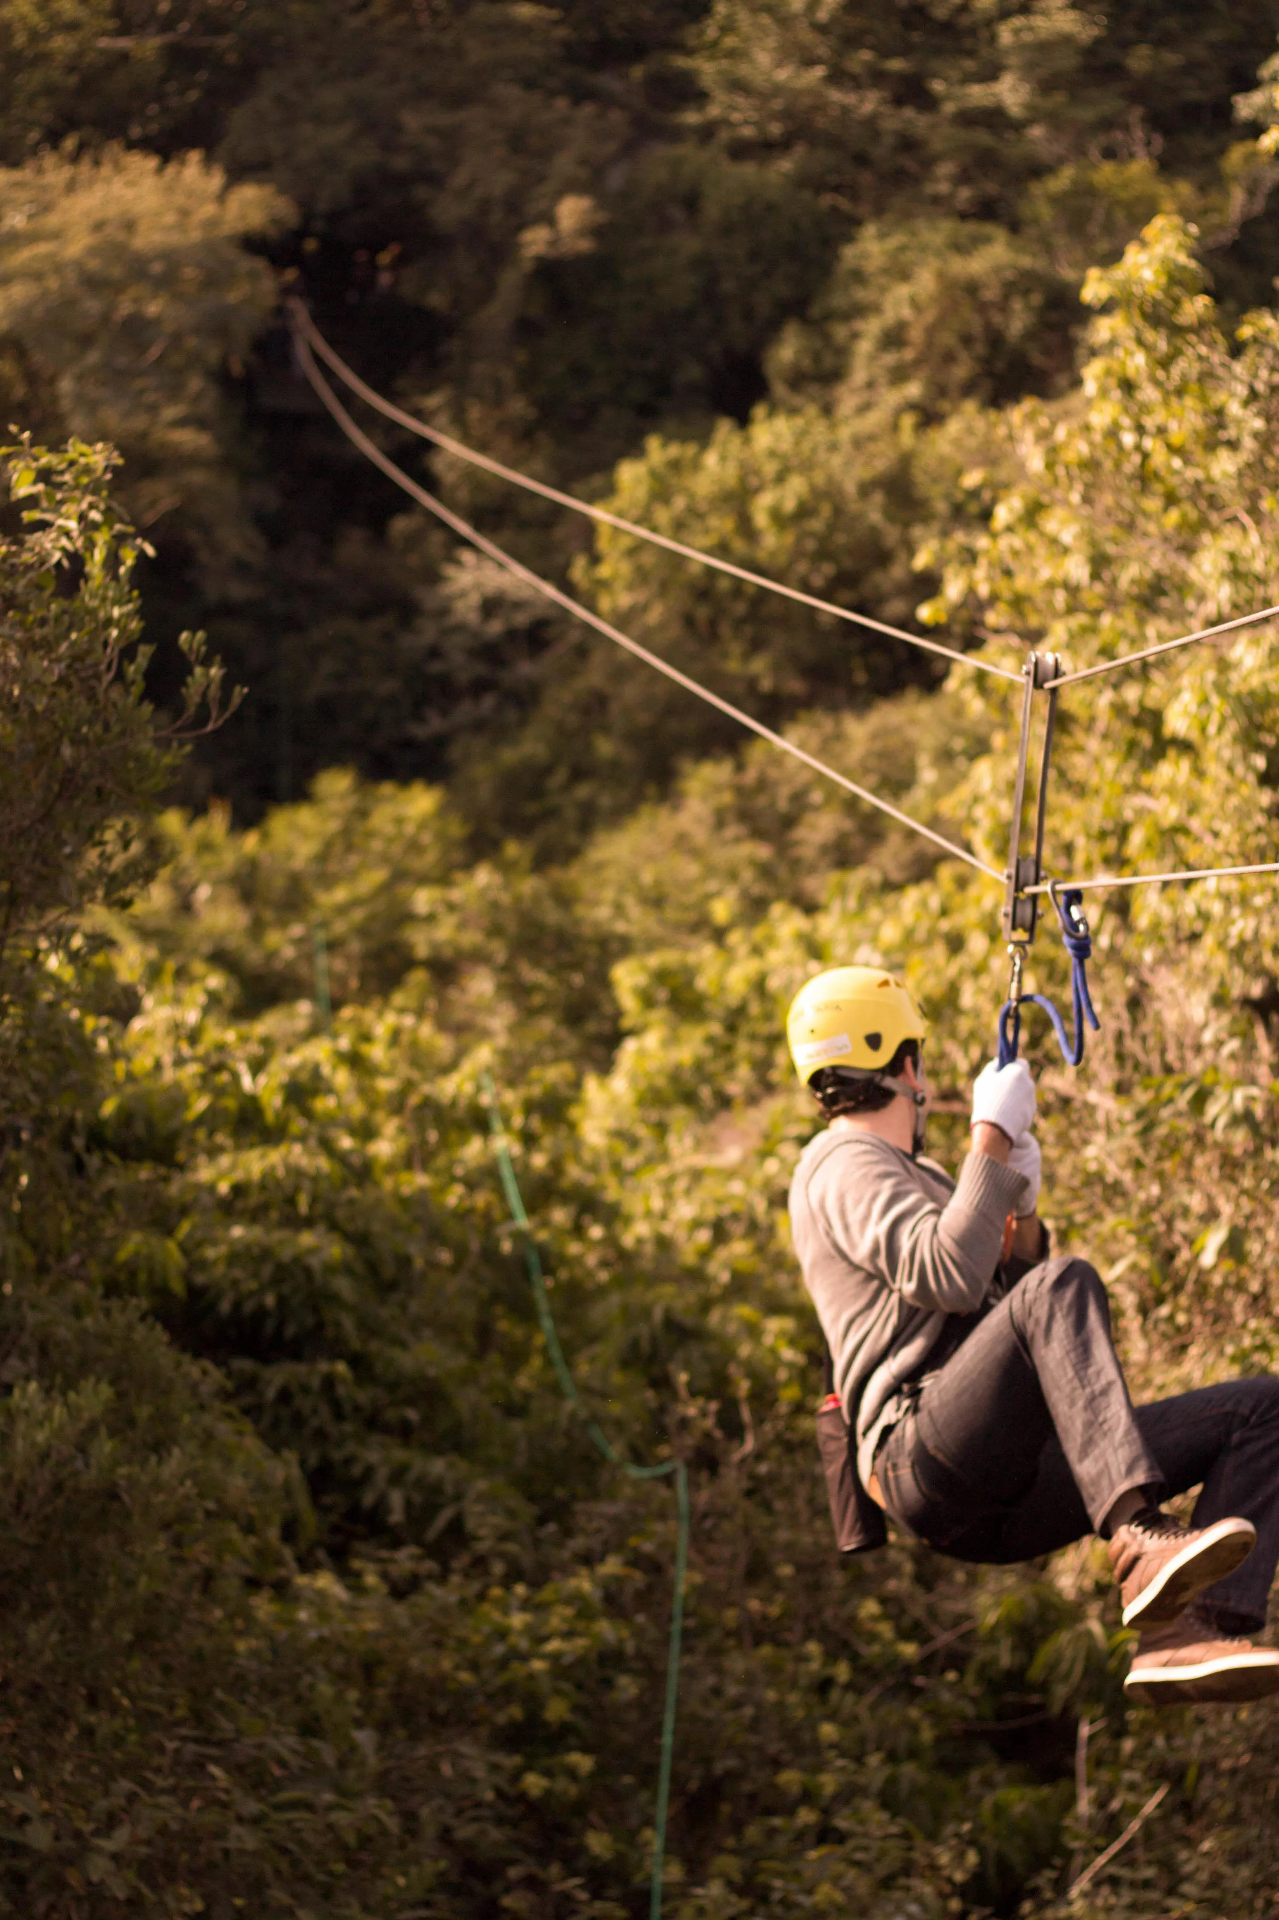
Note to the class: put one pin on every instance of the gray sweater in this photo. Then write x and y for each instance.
(890, 1247)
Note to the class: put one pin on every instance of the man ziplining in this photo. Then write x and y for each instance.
(987, 1410)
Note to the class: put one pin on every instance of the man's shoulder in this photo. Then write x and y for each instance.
(845, 1140)
(846, 1148)
(838, 1153)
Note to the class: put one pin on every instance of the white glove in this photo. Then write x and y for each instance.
(1004, 1097)
(1026, 1159)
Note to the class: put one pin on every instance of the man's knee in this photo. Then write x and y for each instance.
(1260, 1394)
(1064, 1283)
(1064, 1274)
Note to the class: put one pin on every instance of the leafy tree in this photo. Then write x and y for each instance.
(512, 217)
(833, 505)
(147, 71)
(902, 110)
(313, 1216)
(925, 316)
(82, 761)
(315, 1600)
(672, 296)
(124, 291)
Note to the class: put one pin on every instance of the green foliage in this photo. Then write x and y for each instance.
(378, 873)
(795, 495)
(562, 230)
(670, 298)
(1150, 512)
(831, 504)
(80, 757)
(315, 1600)
(47, 49)
(927, 315)
(363, 865)
(316, 1217)
(967, 102)
(811, 1770)
(778, 831)
(141, 70)
(124, 291)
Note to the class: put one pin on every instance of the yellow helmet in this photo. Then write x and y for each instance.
(850, 1017)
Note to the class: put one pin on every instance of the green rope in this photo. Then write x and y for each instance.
(600, 1440)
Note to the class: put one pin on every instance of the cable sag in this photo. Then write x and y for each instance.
(305, 325)
(503, 559)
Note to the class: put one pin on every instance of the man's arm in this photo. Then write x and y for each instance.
(1024, 1233)
(884, 1219)
(992, 1140)
(941, 1258)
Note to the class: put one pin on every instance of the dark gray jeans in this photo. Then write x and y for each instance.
(1023, 1440)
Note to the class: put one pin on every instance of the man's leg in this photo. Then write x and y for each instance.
(1223, 1439)
(996, 1491)
(1226, 1439)
(1039, 1365)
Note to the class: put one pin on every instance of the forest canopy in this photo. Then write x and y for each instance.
(730, 241)
(319, 835)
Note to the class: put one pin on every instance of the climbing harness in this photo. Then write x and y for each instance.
(604, 1446)
(1023, 878)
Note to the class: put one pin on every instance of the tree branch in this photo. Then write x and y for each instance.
(1104, 1859)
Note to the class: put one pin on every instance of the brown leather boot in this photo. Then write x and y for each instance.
(1190, 1660)
(1161, 1565)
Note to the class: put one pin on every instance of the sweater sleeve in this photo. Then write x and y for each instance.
(936, 1257)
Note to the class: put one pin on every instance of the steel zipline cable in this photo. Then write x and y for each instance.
(1150, 879)
(305, 324)
(461, 527)
(305, 335)
(306, 327)
(1165, 646)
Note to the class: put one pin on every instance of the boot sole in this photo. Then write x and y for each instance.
(1217, 1552)
(1249, 1676)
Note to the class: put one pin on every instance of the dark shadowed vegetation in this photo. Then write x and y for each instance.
(315, 1599)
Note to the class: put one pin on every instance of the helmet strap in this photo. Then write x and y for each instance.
(918, 1100)
(894, 1084)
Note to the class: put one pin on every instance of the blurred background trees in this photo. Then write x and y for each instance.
(562, 231)
(314, 1600)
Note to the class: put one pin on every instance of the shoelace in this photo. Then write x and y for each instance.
(1156, 1525)
(1194, 1631)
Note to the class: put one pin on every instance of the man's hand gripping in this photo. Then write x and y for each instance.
(1004, 1107)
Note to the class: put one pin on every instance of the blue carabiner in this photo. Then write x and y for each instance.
(1078, 942)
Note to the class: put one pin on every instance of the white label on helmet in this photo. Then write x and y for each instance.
(812, 1052)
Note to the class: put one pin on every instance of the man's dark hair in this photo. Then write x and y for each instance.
(839, 1091)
